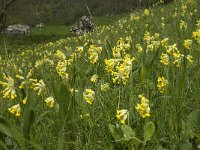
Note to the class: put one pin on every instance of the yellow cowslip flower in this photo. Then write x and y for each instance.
(164, 42)
(123, 70)
(150, 47)
(139, 48)
(110, 64)
(62, 70)
(147, 37)
(182, 24)
(104, 87)
(116, 51)
(143, 107)
(15, 110)
(134, 18)
(27, 81)
(171, 49)
(60, 55)
(44, 61)
(164, 59)
(146, 12)
(94, 78)
(49, 102)
(9, 84)
(122, 115)
(88, 95)
(39, 86)
(177, 58)
(189, 58)
(187, 44)
(162, 84)
(79, 49)
(196, 35)
(93, 53)
(24, 100)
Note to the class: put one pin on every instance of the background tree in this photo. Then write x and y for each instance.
(4, 5)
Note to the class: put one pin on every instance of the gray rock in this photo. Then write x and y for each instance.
(82, 26)
(17, 29)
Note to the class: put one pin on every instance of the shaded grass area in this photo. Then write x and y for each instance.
(50, 33)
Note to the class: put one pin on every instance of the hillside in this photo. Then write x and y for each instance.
(132, 84)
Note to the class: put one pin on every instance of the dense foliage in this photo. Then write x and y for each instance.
(133, 84)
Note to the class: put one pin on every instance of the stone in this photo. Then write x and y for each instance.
(17, 29)
(40, 26)
(82, 25)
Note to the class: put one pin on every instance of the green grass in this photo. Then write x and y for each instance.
(87, 117)
(49, 33)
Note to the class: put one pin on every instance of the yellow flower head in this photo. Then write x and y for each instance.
(9, 90)
(162, 83)
(40, 86)
(164, 59)
(146, 12)
(143, 107)
(187, 44)
(94, 78)
(88, 95)
(15, 110)
(122, 115)
(49, 102)
(104, 87)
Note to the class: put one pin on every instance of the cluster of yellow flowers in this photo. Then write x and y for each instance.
(187, 44)
(45, 61)
(88, 95)
(94, 78)
(27, 81)
(162, 84)
(104, 87)
(174, 55)
(196, 34)
(62, 64)
(122, 115)
(143, 107)
(183, 24)
(15, 110)
(121, 47)
(9, 90)
(49, 102)
(93, 53)
(152, 43)
(9, 85)
(120, 69)
(121, 65)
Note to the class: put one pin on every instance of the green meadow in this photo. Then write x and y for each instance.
(131, 84)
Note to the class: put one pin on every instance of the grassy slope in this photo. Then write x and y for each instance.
(169, 111)
(48, 33)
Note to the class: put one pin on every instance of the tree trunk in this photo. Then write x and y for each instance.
(3, 13)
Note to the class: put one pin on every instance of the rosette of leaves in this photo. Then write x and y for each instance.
(126, 136)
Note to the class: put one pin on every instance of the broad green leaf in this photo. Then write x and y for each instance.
(128, 131)
(149, 130)
(186, 146)
(11, 131)
(5, 128)
(64, 100)
(115, 132)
